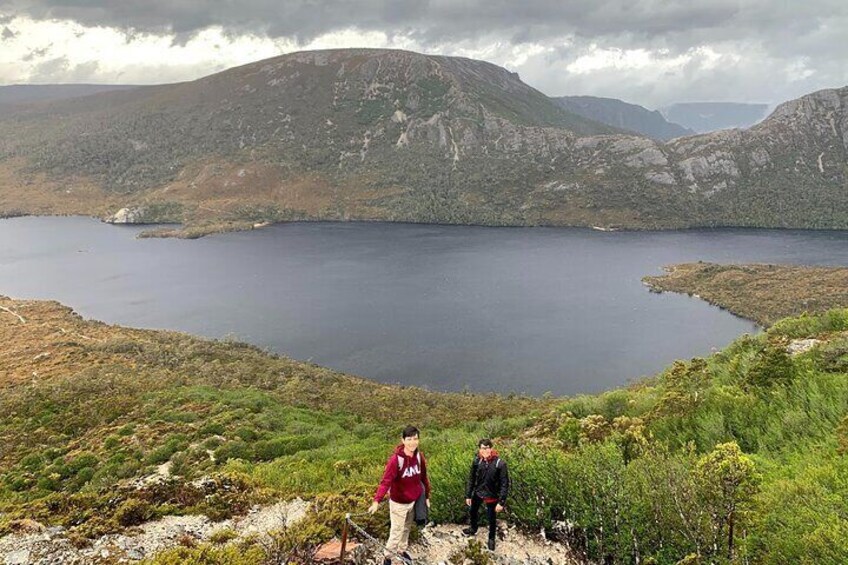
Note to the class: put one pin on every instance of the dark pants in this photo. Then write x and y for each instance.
(491, 515)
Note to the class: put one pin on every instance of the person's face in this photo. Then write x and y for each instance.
(485, 450)
(410, 443)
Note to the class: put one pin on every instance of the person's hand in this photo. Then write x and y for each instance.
(373, 508)
(468, 502)
(428, 503)
(498, 508)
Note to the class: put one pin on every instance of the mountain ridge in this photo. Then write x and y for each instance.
(620, 114)
(400, 136)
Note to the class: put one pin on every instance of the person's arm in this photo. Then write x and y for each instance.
(472, 477)
(504, 490)
(425, 478)
(389, 475)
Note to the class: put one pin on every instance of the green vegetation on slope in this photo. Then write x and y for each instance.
(737, 457)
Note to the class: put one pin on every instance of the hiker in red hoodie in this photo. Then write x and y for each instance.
(488, 483)
(405, 480)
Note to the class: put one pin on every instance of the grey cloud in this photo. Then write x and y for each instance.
(671, 24)
(754, 79)
(36, 54)
(435, 20)
(59, 70)
(8, 33)
(767, 34)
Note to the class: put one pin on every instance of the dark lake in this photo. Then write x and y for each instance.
(447, 307)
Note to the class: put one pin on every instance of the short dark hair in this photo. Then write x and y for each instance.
(409, 431)
(485, 442)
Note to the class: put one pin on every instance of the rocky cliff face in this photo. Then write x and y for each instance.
(380, 134)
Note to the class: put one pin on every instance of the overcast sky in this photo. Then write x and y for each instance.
(649, 52)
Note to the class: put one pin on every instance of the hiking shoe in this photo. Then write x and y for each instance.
(469, 531)
(491, 544)
(387, 561)
(408, 557)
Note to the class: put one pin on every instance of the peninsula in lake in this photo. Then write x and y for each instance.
(372, 134)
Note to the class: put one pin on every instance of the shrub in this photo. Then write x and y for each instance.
(222, 536)
(133, 512)
(246, 434)
(472, 554)
(594, 428)
(773, 366)
(212, 429)
(165, 452)
(111, 442)
(206, 554)
(234, 450)
(568, 432)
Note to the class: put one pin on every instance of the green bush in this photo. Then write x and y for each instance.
(286, 445)
(164, 452)
(222, 536)
(206, 554)
(234, 450)
(773, 367)
(472, 554)
(133, 512)
(212, 429)
(246, 434)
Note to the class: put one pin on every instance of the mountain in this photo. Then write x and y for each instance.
(622, 115)
(392, 135)
(27, 93)
(704, 117)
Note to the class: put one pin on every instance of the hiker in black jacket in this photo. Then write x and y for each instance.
(488, 483)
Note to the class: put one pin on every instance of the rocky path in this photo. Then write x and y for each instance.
(439, 543)
(38, 545)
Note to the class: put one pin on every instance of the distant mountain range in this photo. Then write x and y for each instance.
(630, 117)
(704, 117)
(367, 134)
(29, 93)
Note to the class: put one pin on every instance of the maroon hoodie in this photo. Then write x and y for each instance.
(403, 477)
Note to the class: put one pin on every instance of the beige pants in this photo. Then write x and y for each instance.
(401, 516)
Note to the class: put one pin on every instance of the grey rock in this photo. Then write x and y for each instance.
(130, 215)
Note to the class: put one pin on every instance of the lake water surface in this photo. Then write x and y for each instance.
(448, 307)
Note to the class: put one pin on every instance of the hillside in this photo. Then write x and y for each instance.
(393, 135)
(106, 429)
(619, 114)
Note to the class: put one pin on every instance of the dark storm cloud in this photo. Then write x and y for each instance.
(778, 42)
(435, 20)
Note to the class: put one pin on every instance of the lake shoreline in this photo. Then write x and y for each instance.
(445, 307)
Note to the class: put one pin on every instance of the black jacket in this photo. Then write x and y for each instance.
(488, 479)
